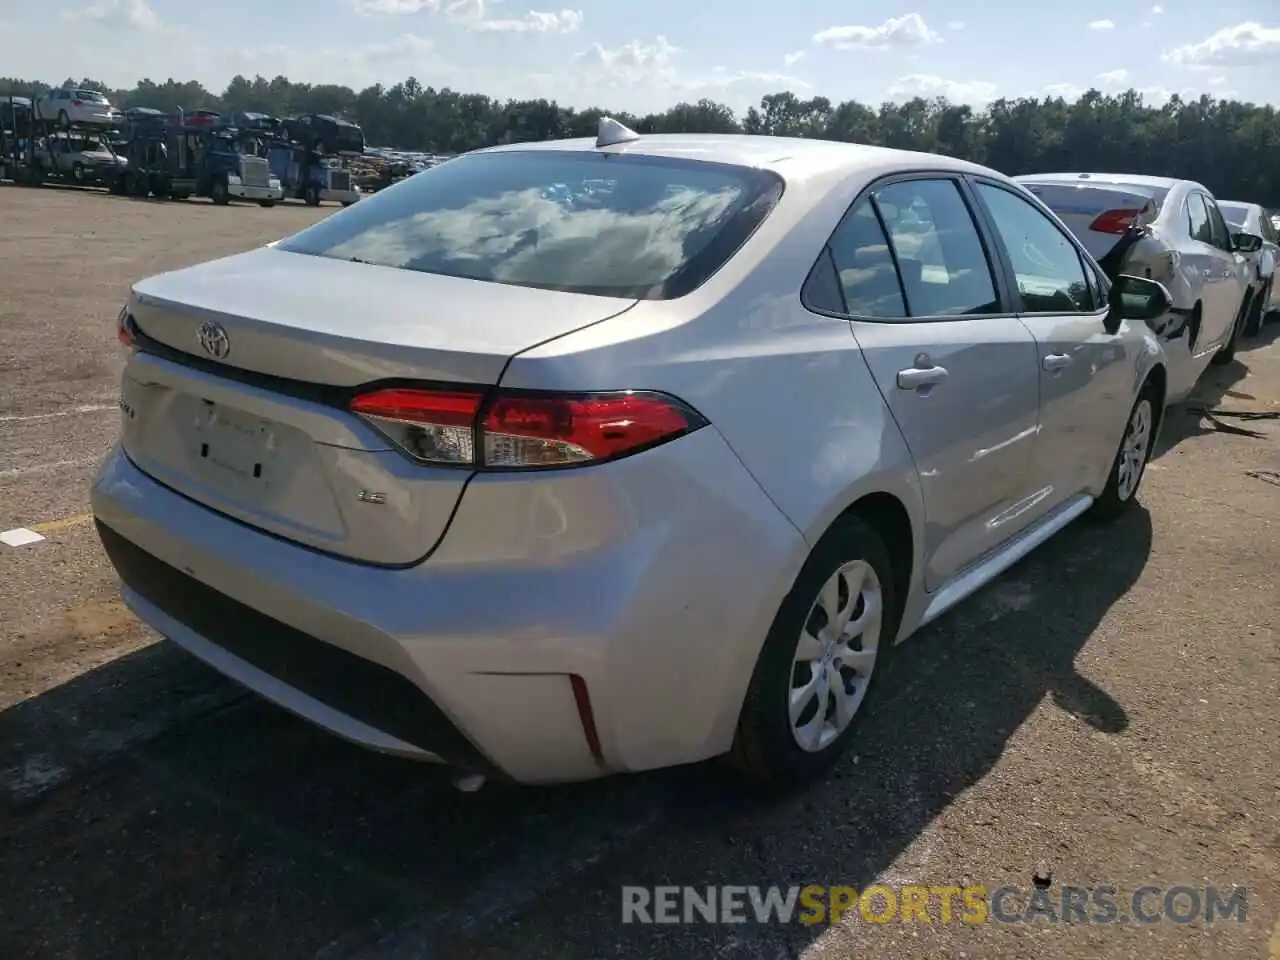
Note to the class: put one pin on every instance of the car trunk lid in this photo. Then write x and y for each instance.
(237, 396)
(1100, 216)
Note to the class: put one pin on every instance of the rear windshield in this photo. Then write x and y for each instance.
(610, 225)
(1234, 213)
(90, 95)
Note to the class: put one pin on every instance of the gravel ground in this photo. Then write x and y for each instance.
(1106, 713)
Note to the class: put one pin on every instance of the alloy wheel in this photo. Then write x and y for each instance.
(1134, 450)
(835, 656)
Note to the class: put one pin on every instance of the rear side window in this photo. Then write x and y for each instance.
(1050, 274)
(939, 254)
(622, 226)
(864, 266)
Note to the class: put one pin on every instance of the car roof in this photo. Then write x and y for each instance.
(789, 155)
(1134, 179)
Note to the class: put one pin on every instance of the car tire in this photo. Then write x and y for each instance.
(219, 193)
(1227, 352)
(312, 195)
(1130, 463)
(849, 570)
(64, 121)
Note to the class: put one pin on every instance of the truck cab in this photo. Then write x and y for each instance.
(311, 158)
(215, 161)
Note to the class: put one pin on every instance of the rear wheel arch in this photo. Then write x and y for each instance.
(888, 516)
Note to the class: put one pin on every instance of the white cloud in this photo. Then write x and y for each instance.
(396, 8)
(909, 30)
(1114, 78)
(795, 56)
(120, 14)
(475, 15)
(535, 21)
(657, 66)
(1067, 91)
(975, 92)
(1157, 9)
(1244, 45)
(1102, 25)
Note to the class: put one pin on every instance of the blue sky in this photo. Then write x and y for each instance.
(647, 54)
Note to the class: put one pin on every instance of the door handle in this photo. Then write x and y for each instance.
(1056, 361)
(919, 378)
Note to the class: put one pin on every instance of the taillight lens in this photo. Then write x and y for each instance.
(124, 329)
(524, 430)
(1114, 221)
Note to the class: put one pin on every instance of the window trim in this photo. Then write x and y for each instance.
(957, 178)
(1086, 260)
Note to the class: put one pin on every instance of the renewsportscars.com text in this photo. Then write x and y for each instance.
(942, 903)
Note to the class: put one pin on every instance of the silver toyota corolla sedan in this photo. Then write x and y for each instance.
(576, 457)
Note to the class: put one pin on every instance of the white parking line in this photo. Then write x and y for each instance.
(19, 537)
(73, 412)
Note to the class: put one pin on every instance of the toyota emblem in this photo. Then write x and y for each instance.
(214, 339)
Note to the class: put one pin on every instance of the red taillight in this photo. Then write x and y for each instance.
(77, 103)
(1114, 221)
(124, 329)
(520, 430)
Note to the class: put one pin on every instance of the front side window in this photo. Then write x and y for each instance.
(940, 257)
(622, 226)
(1198, 220)
(1051, 277)
(1217, 226)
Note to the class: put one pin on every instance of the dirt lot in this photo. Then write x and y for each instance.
(1106, 712)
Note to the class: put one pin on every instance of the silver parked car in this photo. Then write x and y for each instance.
(1171, 231)
(550, 483)
(1252, 219)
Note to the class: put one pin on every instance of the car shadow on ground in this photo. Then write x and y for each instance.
(230, 828)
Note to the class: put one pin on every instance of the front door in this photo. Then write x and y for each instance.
(957, 370)
(1086, 371)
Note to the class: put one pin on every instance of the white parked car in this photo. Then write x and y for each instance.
(71, 107)
(1170, 231)
(552, 483)
(1251, 218)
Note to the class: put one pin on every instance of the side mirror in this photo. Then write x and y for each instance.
(1246, 242)
(1137, 298)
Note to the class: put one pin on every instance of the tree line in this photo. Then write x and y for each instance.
(1233, 148)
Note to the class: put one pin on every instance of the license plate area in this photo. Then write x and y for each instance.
(232, 444)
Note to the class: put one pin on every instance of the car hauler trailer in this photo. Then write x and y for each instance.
(173, 159)
(35, 151)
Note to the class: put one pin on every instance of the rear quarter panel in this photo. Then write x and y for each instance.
(789, 390)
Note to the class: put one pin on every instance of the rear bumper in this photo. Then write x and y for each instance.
(653, 582)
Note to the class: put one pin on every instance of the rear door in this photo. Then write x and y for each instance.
(1086, 371)
(956, 368)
